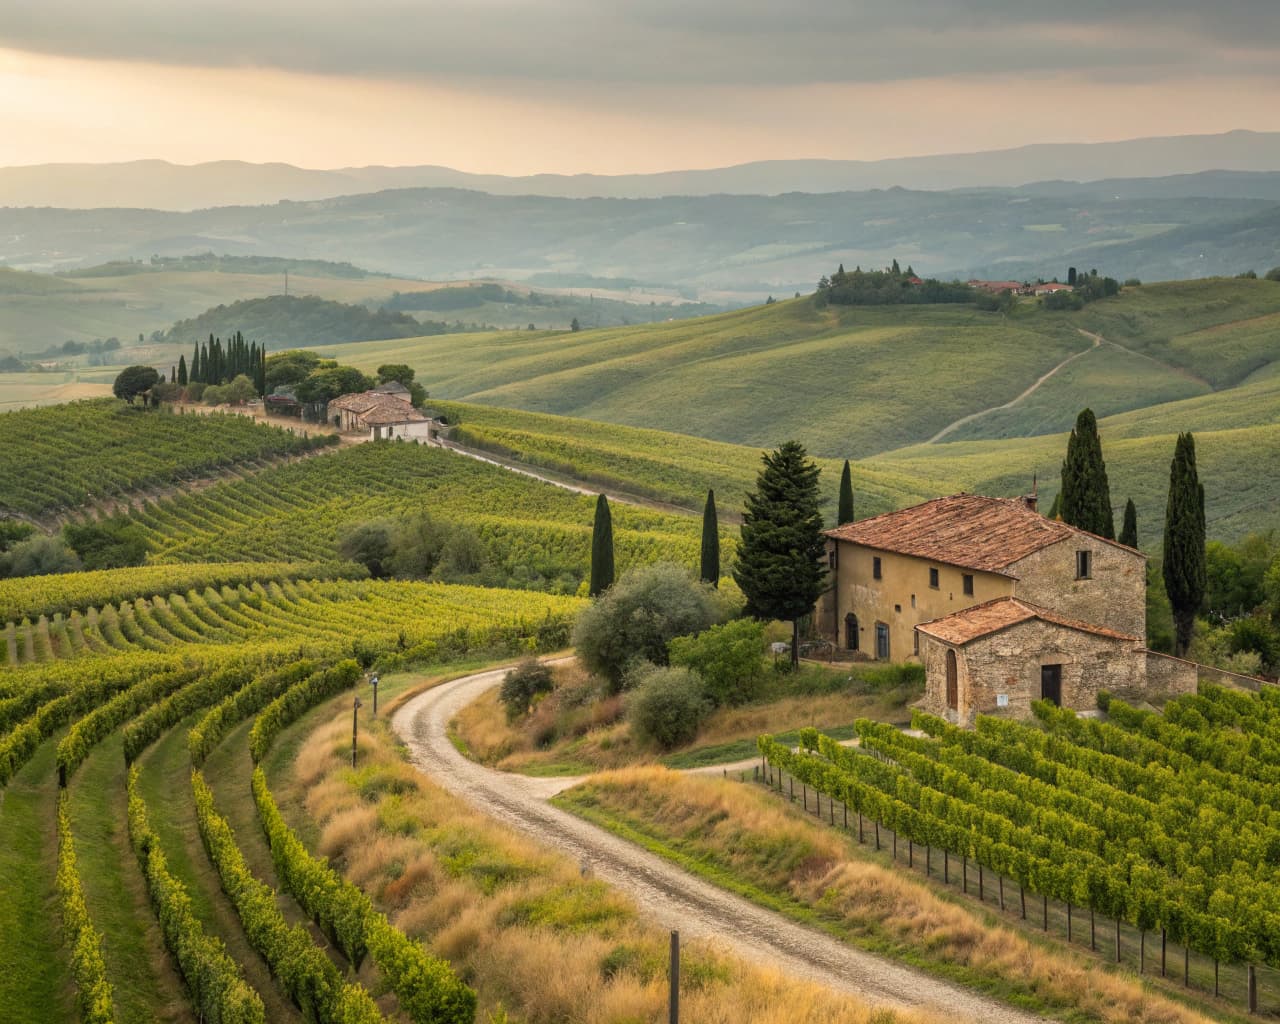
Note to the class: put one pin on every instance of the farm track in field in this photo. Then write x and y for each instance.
(667, 894)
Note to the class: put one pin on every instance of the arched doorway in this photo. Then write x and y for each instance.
(851, 631)
(953, 681)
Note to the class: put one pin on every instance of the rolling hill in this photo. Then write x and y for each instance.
(857, 382)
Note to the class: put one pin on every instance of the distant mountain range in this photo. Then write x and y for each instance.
(157, 184)
(722, 247)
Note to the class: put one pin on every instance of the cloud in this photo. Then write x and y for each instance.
(560, 44)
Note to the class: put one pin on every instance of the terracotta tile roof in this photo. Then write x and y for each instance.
(962, 627)
(965, 530)
(376, 408)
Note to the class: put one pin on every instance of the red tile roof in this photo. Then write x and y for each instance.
(965, 530)
(962, 627)
(377, 409)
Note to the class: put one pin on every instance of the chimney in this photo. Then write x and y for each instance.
(1033, 500)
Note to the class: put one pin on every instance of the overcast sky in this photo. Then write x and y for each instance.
(519, 86)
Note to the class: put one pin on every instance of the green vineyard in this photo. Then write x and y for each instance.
(1170, 823)
(530, 530)
(182, 674)
(63, 457)
(320, 612)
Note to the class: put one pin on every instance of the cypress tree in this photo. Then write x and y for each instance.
(1086, 495)
(194, 369)
(845, 512)
(780, 566)
(710, 542)
(1184, 557)
(1129, 531)
(182, 370)
(601, 549)
(260, 372)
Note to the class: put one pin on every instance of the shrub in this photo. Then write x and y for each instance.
(39, 556)
(668, 706)
(370, 545)
(638, 616)
(729, 658)
(524, 682)
(1273, 274)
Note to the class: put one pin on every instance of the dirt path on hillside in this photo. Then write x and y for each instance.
(665, 893)
(950, 427)
(623, 498)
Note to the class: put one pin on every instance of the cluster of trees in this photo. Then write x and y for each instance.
(113, 543)
(216, 362)
(419, 546)
(316, 381)
(887, 287)
(286, 320)
(1085, 288)
(1084, 501)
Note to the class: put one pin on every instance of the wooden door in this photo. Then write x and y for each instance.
(1051, 683)
(953, 682)
(882, 641)
(851, 631)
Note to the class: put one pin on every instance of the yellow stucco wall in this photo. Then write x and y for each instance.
(901, 599)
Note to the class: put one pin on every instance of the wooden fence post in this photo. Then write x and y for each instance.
(1253, 989)
(981, 885)
(1164, 936)
(946, 866)
(1068, 920)
(1001, 878)
(1093, 932)
(1186, 965)
(877, 834)
(1117, 940)
(1022, 895)
(673, 1004)
(1046, 912)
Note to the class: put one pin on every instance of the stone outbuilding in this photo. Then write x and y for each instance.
(999, 656)
(384, 415)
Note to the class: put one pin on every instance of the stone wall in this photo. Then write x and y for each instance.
(1007, 664)
(1168, 676)
(1115, 595)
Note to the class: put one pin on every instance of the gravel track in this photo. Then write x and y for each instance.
(667, 894)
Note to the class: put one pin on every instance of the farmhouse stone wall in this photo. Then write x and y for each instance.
(1007, 665)
(1168, 676)
(1114, 595)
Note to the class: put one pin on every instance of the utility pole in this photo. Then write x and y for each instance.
(355, 728)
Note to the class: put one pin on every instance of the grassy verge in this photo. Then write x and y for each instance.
(538, 941)
(742, 839)
(34, 977)
(148, 987)
(578, 728)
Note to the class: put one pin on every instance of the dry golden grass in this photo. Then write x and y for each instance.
(772, 846)
(519, 922)
(574, 730)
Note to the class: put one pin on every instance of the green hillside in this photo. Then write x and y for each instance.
(864, 381)
(1239, 461)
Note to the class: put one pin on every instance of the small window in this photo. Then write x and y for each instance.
(915, 642)
(833, 559)
(913, 600)
(1084, 565)
(875, 568)
(968, 584)
(933, 578)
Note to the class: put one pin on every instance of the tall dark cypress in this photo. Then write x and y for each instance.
(710, 542)
(601, 549)
(1129, 531)
(182, 370)
(780, 565)
(845, 512)
(1086, 495)
(1184, 558)
(194, 369)
(260, 372)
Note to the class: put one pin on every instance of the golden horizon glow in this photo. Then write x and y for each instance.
(61, 109)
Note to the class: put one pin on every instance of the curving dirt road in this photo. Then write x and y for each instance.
(668, 895)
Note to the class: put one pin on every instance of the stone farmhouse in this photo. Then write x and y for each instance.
(385, 412)
(1001, 605)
